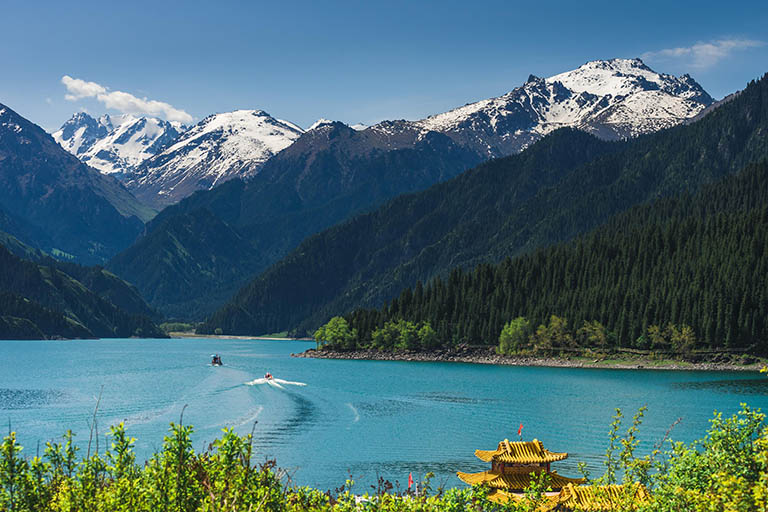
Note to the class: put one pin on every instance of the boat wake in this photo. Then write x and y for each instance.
(275, 383)
(354, 411)
(248, 418)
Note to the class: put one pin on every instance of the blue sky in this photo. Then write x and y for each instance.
(359, 61)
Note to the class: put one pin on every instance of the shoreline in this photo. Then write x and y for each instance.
(181, 335)
(483, 356)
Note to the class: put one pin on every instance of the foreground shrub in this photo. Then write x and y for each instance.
(727, 470)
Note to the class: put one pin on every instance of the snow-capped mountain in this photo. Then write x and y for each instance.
(613, 99)
(115, 144)
(320, 122)
(327, 122)
(217, 149)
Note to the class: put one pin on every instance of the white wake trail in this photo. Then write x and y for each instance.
(290, 382)
(275, 383)
(249, 419)
(354, 411)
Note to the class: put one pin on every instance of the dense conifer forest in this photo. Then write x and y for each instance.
(563, 186)
(50, 299)
(699, 261)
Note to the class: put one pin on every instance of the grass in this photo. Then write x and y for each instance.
(177, 327)
(282, 334)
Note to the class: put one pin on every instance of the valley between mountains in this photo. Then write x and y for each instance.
(247, 224)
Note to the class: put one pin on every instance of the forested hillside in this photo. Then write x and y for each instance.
(52, 300)
(52, 201)
(563, 186)
(196, 254)
(699, 261)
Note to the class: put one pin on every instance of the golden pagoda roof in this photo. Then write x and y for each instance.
(601, 498)
(584, 498)
(520, 452)
(501, 496)
(510, 481)
(547, 504)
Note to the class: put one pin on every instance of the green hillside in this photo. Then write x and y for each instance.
(700, 261)
(51, 300)
(196, 254)
(52, 201)
(563, 186)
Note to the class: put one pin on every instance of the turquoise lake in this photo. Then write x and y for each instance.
(364, 418)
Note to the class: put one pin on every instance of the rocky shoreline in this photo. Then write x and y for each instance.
(489, 356)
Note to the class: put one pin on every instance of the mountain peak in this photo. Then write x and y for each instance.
(625, 77)
(618, 64)
(11, 121)
(240, 119)
(615, 98)
(221, 147)
(114, 144)
(320, 122)
(81, 115)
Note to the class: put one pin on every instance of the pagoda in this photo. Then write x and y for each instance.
(598, 498)
(512, 466)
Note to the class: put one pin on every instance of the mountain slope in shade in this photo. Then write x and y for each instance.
(51, 299)
(502, 208)
(115, 144)
(698, 260)
(333, 171)
(219, 148)
(19, 248)
(196, 253)
(54, 202)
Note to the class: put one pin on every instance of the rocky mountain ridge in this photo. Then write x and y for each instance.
(52, 201)
(613, 99)
(115, 144)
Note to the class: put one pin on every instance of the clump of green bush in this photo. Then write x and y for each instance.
(397, 335)
(176, 478)
(727, 470)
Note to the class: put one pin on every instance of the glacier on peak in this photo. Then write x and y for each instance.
(115, 144)
(320, 122)
(613, 99)
(221, 147)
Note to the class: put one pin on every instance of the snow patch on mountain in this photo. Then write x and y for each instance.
(319, 122)
(220, 147)
(6, 123)
(614, 99)
(115, 144)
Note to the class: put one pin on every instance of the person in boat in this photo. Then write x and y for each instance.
(216, 360)
(268, 376)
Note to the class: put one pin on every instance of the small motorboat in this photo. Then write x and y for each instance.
(216, 360)
(268, 376)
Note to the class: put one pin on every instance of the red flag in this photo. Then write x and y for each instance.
(410, 480)
(520, 430)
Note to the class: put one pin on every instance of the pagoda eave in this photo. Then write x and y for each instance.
(513, 481)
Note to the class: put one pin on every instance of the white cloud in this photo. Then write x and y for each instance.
(703, 55)
(79, 89)
(122, 101)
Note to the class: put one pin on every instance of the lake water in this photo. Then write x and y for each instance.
(364, 418)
